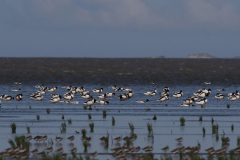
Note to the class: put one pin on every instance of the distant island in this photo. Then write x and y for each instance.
(200, 55)
(159, 57)
(237, 57)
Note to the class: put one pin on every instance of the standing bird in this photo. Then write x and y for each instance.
(94, 154)
(58, 139)
(179, 139)
(71, 138)
(165, 149)
(60, 150)
(50, 149)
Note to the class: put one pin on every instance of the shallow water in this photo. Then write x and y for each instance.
(178, 74)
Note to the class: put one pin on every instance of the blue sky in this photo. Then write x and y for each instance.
(119, 28)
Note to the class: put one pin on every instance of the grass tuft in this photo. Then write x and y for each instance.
(85, 144)
(12, 143)
(106, 139)
(70, 121)
(200, 118)
(223, 140)
(212, 120)
(149, 127)
(62, 116)
(147, 109)
(182, 121)
(87, 157)
(148, 156)
(79, 158)
(131, 126)
(113, 121)
(28, 128)
(89, 116)
(232, 127)
(91, 125)
(83, 131)
(38, 117)
(232, 154)
(228, 105)
(63, 127)
(13, 127)
(84, 107)
(104, 113)
(217, 137)
(203, 129)
(238, 140)
(128, 142)
(199, 145)
(154, 117)
(214, 129)
(48, 111)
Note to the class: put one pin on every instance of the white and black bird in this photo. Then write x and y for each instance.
(85, 92)
(166, 89)
(233, 98)
(68, 96)
(130, 94)
(123, 97)
(19, 97)
(38, 97)
(102, 102)
(87, 96)
(186, 105)
(202, 101)
(52, 89)
(233, 94)
(102, 96)
(7, 98)
(219, 96)
(188, 101)
(113, 87)
(55, 99)
(90, 102)
(98, 90)
(110, 94)
(150, 92)
(80, 89)
(207, 82)
(163, 98)
(119, 89)
(39, 86)
(127, 89)
(178, 94)
(140, 101)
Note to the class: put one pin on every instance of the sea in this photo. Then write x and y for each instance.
(137, 74)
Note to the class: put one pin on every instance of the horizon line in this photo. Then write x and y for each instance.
(159, 57)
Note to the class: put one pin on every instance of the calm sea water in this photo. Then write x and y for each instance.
(187, 75)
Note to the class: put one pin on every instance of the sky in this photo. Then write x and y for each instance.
(119, 28)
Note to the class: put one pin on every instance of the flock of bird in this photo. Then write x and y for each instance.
(85, 94)
(119, 152)
(24, 153)
(71, 91)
